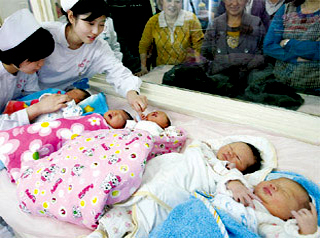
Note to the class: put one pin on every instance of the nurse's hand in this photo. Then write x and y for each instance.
(48, 104)
(138, 102)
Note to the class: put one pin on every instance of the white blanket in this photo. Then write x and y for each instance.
(292, 155)
(170, 179)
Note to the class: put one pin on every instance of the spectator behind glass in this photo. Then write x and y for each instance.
(253, 7)
(232, 46)
(176, 34)
(23, 47)
(293, 40)
(272, 6)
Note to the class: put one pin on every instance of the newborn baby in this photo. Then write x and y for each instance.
(117, 119)
(154, 122)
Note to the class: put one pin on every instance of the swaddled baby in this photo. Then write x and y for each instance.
(170, 179)
(87, 173)
(288, 207)
(154, 122)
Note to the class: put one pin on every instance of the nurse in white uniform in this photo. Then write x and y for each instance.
(80, 53)
(23, 47)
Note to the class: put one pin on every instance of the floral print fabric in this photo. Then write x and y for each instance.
(35, 141)
(75, 183)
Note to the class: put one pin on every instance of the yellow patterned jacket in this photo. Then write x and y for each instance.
(173, 46)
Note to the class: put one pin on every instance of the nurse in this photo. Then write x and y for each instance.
(79, 53)
(23, 47)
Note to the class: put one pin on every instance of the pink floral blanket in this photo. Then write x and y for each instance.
(76, 182)
(71, 168)
(35, 141)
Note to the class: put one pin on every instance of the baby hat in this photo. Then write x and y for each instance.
(312, 188)
(265, 147)
(68, 4)
(16, 28)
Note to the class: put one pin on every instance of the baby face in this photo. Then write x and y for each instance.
(76, 94)
(158, 117)
(238, 153)
(116, 118)
(281, 196)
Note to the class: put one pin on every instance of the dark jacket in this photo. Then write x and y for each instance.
(258, 9)
(248, 53)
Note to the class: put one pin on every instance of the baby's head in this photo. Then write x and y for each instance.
(78, 94)
(281, 196)
(159, 117)
(117, 119)
(245, 156)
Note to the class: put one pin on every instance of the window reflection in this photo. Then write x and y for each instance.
(235, 57)
(256, 50)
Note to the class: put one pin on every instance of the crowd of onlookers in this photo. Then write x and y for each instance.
(240, 38)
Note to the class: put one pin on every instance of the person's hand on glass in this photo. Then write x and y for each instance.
(143, 71)
(284, 42)
(299, 59)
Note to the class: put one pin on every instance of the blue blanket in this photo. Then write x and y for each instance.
(27, 99)
(94, 104)
(193, 219)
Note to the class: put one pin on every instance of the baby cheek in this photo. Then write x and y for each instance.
(238, 166)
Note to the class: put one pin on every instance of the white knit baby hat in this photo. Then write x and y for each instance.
(68, 4)
(16, 28)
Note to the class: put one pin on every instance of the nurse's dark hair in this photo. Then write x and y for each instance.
(36, 47)
(97, 8)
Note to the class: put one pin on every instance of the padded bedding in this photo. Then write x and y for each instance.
(292, 155)
(35, 141)
(76, 182)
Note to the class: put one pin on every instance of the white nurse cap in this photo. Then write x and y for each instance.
(68, 4)
(16, 28)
